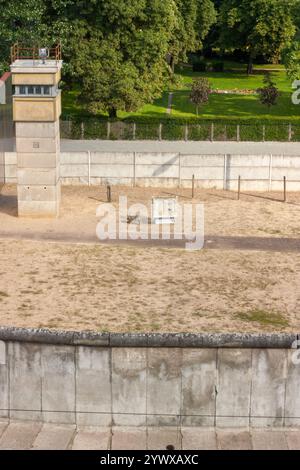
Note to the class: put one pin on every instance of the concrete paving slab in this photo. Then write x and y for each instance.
(92, 438)
(19, 435)
(124, 438)
(293, 439)
(52, 437)
(198, 439)
(234, 440)
(269, 440)
(160, 438)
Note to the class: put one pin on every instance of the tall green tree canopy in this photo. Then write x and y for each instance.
(121, 54)
(194, 19)
(263, 27)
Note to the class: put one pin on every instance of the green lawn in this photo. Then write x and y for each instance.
(233, 107)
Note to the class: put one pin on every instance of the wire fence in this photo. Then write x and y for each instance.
(170, 130)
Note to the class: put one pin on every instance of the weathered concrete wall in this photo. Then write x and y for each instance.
(139, 380)
(6, 122)
(258, 172)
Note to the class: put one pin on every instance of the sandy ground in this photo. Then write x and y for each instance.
(154, 289)
(256, 214)
(110, 288)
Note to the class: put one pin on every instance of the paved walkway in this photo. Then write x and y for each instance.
(205, 148)
(287, 245)
(31, 435)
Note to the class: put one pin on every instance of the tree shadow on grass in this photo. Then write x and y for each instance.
(236, 106)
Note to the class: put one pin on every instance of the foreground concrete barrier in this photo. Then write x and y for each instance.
(95, 379)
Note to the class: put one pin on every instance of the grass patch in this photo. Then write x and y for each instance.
(220, 107)
(263, 317)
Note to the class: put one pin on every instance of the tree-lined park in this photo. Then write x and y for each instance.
(171, 59)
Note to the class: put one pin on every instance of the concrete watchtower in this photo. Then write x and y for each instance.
(36, 110)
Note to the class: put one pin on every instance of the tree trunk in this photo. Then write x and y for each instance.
(172, 63)
(112, 112)
(250, 65)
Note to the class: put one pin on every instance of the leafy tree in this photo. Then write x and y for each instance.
(121, 60)
(291, 59)
(194, 19)
(20, 21)
(291, 55)
(269, 94)
(257, 27)
(201, 89)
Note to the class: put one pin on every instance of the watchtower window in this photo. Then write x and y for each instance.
(35, 90)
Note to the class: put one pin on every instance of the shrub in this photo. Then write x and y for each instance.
(199, 66)
(218, 66)
(251, 132)
(269, 94)
(295, 133)
(199, 131)
(277, 132)
(147, 131)
(201, 89)
(172, 131)
(95, 129)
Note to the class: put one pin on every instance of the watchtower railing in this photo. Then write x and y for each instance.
(20, 52)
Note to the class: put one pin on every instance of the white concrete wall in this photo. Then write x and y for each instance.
(258, 172)
(2, 168)
(89, 385)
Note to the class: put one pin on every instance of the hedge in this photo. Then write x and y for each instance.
(171, 129)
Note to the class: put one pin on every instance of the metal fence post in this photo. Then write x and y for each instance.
(290, 132)
(160, 131)
(186, 134)
(270, 171)
(108, 130)
(238, 138)
(193, 186)
(212, 132)
(134, 168)
(134, 131)
(264, 132)
(82, 131)
(89, 167)
(225, 173)
(239, 188)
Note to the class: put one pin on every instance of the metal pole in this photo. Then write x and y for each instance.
(225, 173)
(193, 186)
(108, 189)
(270, 171)
(89, 167)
